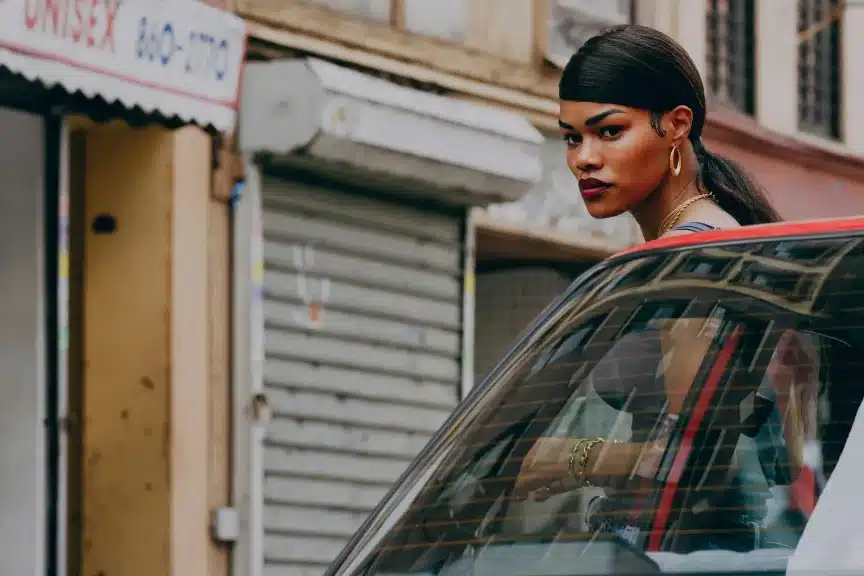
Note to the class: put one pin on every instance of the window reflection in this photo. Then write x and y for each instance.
(804, 251)
(793, 285)
(704, 266)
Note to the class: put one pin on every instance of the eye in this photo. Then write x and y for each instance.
(571, 139)
(610, 131)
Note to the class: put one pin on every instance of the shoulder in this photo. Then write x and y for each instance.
(675, 232)
(700, 217)
(689, 228)
(694, 226)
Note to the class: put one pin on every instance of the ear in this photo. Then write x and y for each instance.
(679, 121)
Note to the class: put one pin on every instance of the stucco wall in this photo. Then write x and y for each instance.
(804, 180)
(797, 191)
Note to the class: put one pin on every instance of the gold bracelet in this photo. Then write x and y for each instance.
(571, 460)
(583, 462)
(577, 463)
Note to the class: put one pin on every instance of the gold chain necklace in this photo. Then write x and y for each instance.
(673, 216)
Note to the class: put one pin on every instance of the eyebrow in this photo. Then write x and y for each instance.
(593, 120)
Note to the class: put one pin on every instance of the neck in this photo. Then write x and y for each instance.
(674, 190)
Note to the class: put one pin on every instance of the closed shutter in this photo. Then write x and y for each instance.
(507, 302)
(362, 307)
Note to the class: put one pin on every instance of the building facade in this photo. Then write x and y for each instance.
(110, 205)
(377, 273)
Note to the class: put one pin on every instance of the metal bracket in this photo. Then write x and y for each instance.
(260, 408)
(225, 525)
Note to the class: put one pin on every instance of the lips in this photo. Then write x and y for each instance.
(591, 187)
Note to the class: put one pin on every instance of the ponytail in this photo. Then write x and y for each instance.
(733, 188)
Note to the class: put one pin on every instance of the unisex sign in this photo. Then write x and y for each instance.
(180, 58)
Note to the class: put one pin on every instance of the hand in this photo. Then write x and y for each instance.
(545, 463)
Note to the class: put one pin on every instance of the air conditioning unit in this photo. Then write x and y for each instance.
(602, 12)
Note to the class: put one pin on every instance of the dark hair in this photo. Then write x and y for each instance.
(640, 67)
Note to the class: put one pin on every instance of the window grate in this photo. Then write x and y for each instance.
(731, 53)
(819, 68)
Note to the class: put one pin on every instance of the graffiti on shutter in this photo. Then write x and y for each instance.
(314, 292)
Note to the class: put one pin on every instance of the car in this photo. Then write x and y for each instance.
(726, 366)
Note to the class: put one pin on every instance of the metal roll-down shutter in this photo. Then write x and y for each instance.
(362, 308)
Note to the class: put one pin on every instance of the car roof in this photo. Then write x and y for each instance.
(778, 229)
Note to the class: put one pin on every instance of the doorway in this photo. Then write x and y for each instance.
(29, 405)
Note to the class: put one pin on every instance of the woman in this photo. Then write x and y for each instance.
(632, 112)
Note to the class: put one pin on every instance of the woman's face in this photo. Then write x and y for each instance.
(618, 158)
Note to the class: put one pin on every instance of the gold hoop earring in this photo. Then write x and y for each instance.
(675, 160)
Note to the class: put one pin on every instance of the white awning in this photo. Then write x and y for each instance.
(333, 119)
(178, 59)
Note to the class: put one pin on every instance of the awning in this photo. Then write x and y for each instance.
(175, 59)
(339, 122)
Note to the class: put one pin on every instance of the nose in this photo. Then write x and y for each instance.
(585, 157)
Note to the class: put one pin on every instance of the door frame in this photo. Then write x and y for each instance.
(249, 402)
(56, 347)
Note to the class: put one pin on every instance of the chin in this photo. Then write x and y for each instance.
(601, 208)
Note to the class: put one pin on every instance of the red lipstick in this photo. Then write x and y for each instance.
(591, 187)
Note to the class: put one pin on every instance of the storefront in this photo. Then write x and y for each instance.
(74, 79)
(354, 291)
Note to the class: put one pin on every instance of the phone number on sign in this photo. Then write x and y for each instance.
(201, 54)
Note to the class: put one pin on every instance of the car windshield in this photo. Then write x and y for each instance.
(678, 412)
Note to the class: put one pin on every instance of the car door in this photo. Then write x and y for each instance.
(763, 339)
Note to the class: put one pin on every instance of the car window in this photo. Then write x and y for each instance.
(704, 418)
